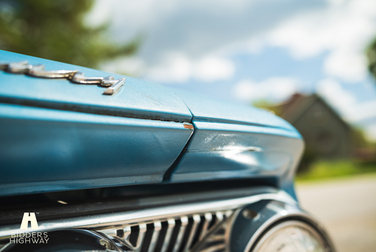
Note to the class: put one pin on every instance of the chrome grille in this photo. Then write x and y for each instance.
(197, 232)
(198, 226)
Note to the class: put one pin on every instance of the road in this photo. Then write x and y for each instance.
(346, 207)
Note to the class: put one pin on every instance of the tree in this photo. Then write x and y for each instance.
(371, 54)
(266, 105)
(55, 30)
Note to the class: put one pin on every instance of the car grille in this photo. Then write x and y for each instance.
(197, 232)
(199, 226)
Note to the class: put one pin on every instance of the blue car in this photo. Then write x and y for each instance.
(92, 161)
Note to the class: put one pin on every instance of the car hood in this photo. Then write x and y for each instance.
(58, 135)
(136, 99)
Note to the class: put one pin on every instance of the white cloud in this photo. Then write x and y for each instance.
(362, 111)
(274, 89)
(194, 40)
(175, 68)
(335, 95)
(211, 69)
(346, 65)
(345, 102)
(99, 14)
(343, 30)
(178, 68)
(132, 65)
(130, 17)
(194, 28)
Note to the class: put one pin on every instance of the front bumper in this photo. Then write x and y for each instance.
(228, 224)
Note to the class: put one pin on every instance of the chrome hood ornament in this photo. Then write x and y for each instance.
(23, 67)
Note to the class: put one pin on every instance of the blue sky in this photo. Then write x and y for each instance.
(246, 50)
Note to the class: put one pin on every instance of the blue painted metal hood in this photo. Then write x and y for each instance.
(211, 110)
(57, 135)
(232, 141)
(136, 99)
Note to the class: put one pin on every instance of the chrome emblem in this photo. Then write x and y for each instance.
(23, 67)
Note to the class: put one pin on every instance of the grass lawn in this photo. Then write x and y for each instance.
(335, 169)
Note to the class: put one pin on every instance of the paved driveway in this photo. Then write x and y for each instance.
(347, 208)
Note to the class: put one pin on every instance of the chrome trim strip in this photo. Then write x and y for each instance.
(170, 227)
(115, 219)
(3, 66)
(155, 236)
(127, 232)
(214, 248)
(114, 87)
(39, 71)
(74, 76)
(219, 217)
(179, 239)
(208, 219)
(230, 223)
(140, 237)
(196, 221)
(80, 78)
(21, 67)
(109, 232)
(214, 238)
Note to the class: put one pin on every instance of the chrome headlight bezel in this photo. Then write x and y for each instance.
(250, 230)
(308, 237)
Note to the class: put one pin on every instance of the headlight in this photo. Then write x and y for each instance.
(291, 236)
(275, 226)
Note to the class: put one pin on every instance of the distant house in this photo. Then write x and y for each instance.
(326, 135)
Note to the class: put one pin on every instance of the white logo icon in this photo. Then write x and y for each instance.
(29, 217)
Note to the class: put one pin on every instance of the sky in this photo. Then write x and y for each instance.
(249, 50)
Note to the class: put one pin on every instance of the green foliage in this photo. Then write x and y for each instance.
(358, 138)
(55, 30)
(371, 54)
(308, 158)
(264, 104)
(338, 168)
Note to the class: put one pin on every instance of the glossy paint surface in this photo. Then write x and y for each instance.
(232, 141)
(210, 110)
(47, 150)
(136, 99)
(222, 151)
(57, 135)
